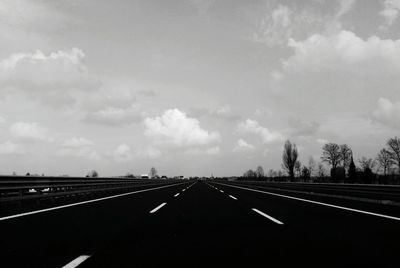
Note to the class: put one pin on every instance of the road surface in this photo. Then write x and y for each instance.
(204, 222)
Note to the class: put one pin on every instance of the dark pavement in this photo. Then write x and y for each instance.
(203, 225)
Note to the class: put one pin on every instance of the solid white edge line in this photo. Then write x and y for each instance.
(176, 195)
(267, 216)
(74, 263)
(231, 196)
(83, 202)
(157, 208)
(221, 191)
(318, 203)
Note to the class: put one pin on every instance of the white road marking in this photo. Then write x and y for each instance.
(319, 203)
(176, 195)
(267, 216)
(183, 190)
(221, 191)
(157, 208)
(231, 196)
(81, 203)
(76, 261)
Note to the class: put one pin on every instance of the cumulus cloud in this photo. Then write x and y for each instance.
(387, 113)
(79, 147)
(122, 153)
(243, 146)
(390, 12)
(176, 128)
(303, 128)
(9, 147)
(75, 142)
(207, 151)
(29, 131)
(344, 51)
(275, 28)
(50, 78)
(115, 115)
(253, 127)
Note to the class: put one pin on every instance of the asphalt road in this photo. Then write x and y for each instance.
(205, 223)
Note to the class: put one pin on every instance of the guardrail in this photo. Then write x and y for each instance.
(383, 194)
(21, 188)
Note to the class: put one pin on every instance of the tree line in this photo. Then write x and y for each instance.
(339, 158)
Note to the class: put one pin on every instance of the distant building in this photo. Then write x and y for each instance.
(144, 176)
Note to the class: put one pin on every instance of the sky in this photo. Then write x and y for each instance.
(193, 87)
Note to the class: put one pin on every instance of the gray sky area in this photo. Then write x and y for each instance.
(193, 87)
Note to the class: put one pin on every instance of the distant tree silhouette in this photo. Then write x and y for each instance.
(311, 165)
(331, 154)
(92, 174)
(352, 170)
(384, 160)
(305, 173)
(250, 174)
(260, 172)
(393, 145)
(289, 158)
(297, 169)
(321, 170)
(345, 155)
(153, 172)
(366, 163)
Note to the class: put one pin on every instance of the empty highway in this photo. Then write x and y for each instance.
(195, 220)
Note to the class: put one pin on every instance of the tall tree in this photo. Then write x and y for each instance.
(260, 172)
(345, 155)
(153, 172)
(321, 170)
(311, 165)
(393, 145)
(384, 160)
(331, 154)
(289, 158)
(366, 163)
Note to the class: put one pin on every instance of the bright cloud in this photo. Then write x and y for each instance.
(122, 153)
(390, 11)
(387, 113)
(51, 78)
(344, 51)
(243, 146)
(176, 128)
(29, 131)
(253, 127)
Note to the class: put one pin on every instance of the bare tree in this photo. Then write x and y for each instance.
(250, 174)
(384, 160)
(92, 174)
(321, 170)
(331, 154)
(366, 163)
(297, 169)
(289, 158)
(345, 155)
(394, 150)
(260, 172)
(311, 165)
(153, 172)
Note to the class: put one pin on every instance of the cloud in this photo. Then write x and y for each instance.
(29, 131)
(9, 147)
(253, 127)
(345, 6)
(207, 151)
(322, 141)
(344, 51)
(115, 116)
(176, 128)
(151, 152)
(79, 147)
(243, 146)
(51, 78)
(122, 153)
(222, 112)
(75, 142)
(275, 28)
(390, 11)
(387, 113)
(303, 128)
(2, 120)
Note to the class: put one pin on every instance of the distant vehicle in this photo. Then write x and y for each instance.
(164, 177)
(144, 176)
